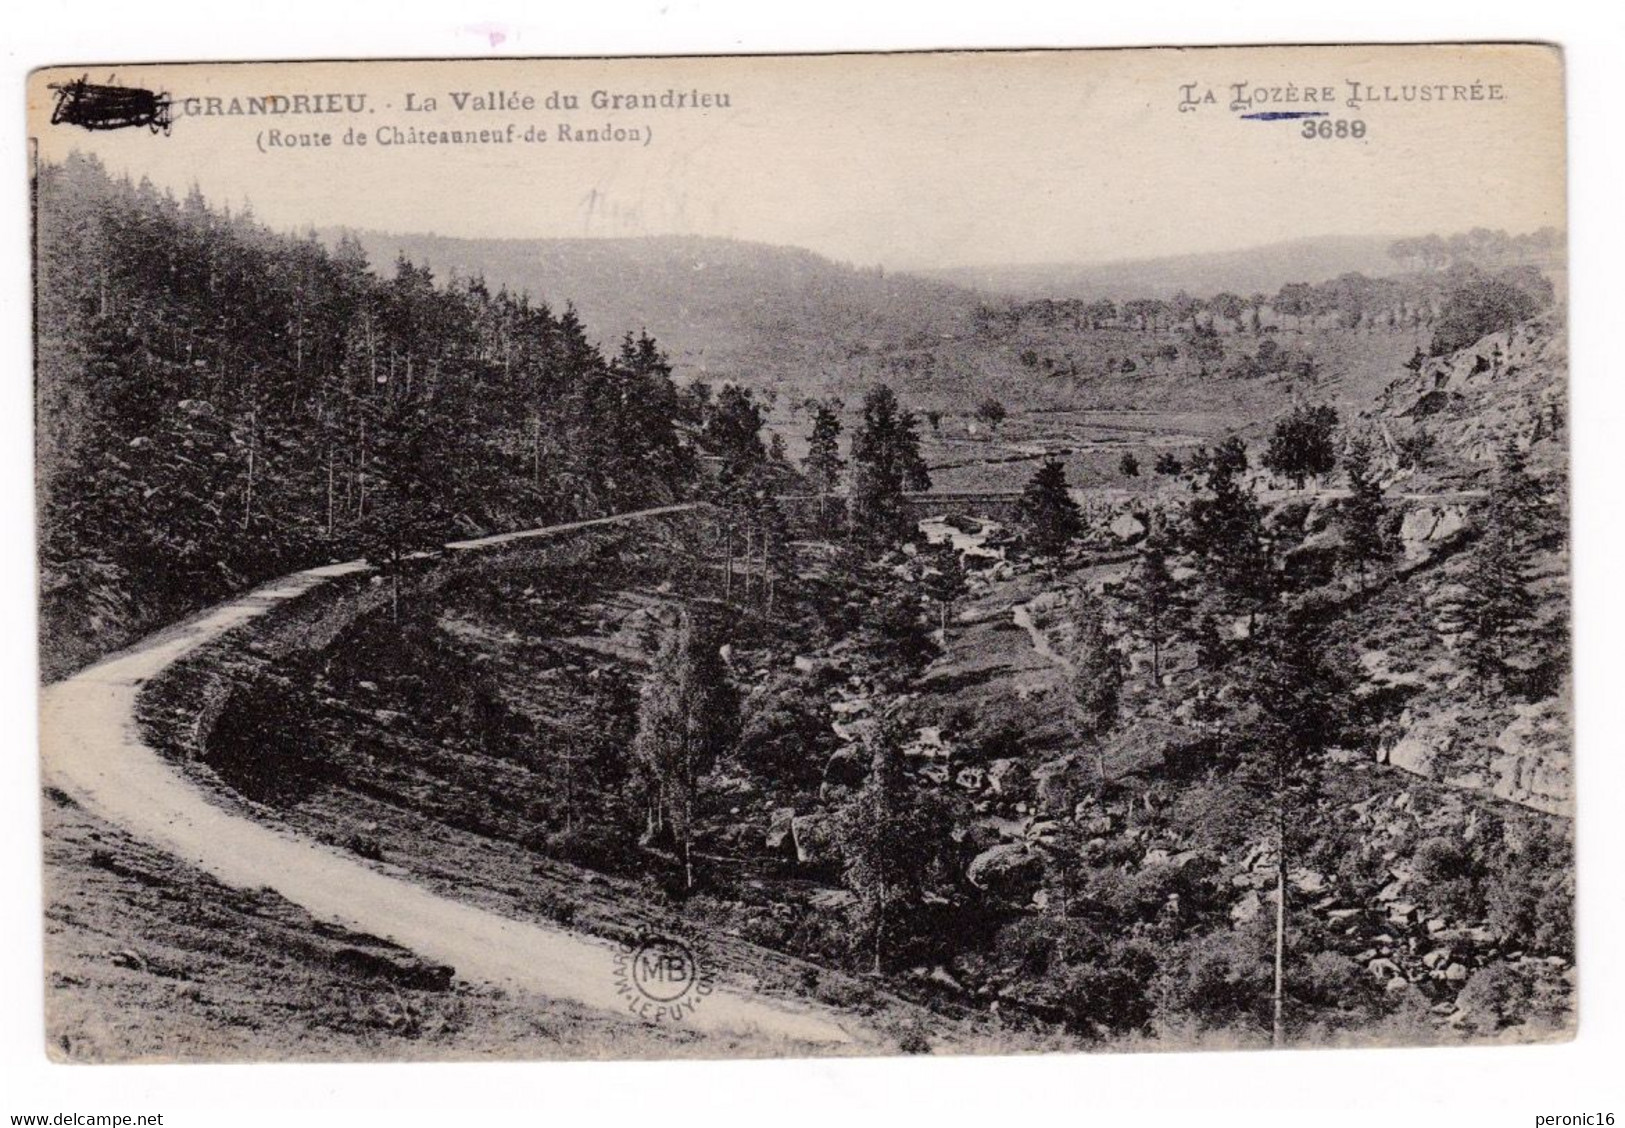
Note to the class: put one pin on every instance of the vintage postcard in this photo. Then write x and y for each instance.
(974, 552)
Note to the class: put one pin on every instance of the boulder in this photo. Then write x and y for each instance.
(1307, 881)
(1248, 908)
(779, 835)
(1007, 870)
(846, 767)
(1127, 527)
(1093, 824)
(1008, 776)
(1385, 969)
(814, 839)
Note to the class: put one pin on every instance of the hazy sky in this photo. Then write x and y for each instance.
(909, 161)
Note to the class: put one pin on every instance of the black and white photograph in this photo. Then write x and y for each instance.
(943, 553)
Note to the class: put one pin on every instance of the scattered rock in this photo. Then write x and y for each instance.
(1127, 527)
(1248, 908)
(814, 838)
(1384, 968)
(779, 833)
(846, 767)
(128, 957)
(1007, 870)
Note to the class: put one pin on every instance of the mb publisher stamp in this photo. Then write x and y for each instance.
(660, 979)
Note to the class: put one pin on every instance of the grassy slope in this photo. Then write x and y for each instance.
(405, 779)
(148, 959)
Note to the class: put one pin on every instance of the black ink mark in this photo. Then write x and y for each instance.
(90, 106)
(1283, 115)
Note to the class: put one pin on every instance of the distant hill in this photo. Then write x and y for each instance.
(1257, 269)
(722, 309)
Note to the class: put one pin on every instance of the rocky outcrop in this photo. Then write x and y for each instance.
(1507, 384)
(1427, 747)
(1426, 527)
(1529, 762)
(1534, 764)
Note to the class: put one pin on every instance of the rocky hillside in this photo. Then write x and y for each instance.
(1509, 384)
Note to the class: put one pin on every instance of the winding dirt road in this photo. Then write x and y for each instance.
(93, 751)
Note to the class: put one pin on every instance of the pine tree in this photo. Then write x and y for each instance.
(824, 463)
(402, 515)
(1367, 540)
(1157, 600)
(991, 412)
(1095, 686)
(1212, 648)
(1046, 512)
(1299, 698)
(944, 583)
(1226, 531)
(733, 432)
(891, 840)
(886, 463)
(1501, 610)
(688, 716)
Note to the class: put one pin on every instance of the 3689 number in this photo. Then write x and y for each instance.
(1326, 129)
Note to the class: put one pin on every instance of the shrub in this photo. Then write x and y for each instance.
(1529, 894)
(1107, 991)
(600, 846)
(1219, 980)
(1481, 304)
(1496, 997)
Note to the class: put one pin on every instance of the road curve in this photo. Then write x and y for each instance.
(92, 750)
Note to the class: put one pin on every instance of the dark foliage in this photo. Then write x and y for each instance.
(219, 404)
